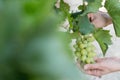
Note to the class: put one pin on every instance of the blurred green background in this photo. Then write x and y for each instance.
(31, 47)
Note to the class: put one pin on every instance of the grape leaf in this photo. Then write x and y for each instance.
(81, 7)
(75, 15)
(103, 38)
(113, 7)
(93, 6)
(85, 27)
(64, 7)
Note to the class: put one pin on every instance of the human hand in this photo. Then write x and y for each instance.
(103, 66)
(99, 19)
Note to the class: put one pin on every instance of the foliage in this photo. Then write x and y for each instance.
(113, 8)
(81, 24)
(103, 38)
(93, 6)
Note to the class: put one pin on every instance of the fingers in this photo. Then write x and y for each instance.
(92, 66)
(94, 72)
(103, 66)
(93, 69)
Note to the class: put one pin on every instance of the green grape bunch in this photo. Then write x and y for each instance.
(84, 49)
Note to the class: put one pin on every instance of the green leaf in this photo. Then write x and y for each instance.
(113, 7)
(85, 27)
(104, 39)
(75, 15)
(81, 7)
(93, 6)
(72, 20)
(64, 7)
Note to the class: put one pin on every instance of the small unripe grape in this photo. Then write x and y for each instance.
(89, 44)
(85, 42)
(86, 36)
(78, 39)
(89, 60)
(79, 42)
(83, 52)
(92, 54)
(92, 47)
(82, 46)
(75, 46)
(77, 54)
(91, 39)
(88, 49)
(78, 49)
(83, 58)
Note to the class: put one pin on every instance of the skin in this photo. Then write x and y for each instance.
(100, 19)
(103, 65)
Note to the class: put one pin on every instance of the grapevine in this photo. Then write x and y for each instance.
(80, 24)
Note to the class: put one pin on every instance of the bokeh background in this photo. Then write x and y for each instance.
(31, 46)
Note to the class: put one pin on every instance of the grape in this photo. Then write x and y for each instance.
(85, 42)
(78, 39)
(84, 49)
(83, 58)
(91, 54)
(88, 49)
(83, 52)
(92, 47)
(86, 36)
(82, 46)
(77, 54)
(78, 49)
(75, 46)
(79, 42)
(91, 39)
(89, 60)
